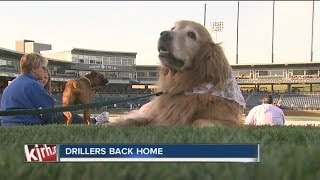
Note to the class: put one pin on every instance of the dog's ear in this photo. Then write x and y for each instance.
(213, 66)
(93, 73)
(89, 75)
(164, 71)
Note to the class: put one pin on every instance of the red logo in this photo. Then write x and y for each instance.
(40, 152)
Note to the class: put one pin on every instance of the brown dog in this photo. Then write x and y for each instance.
(79, 91)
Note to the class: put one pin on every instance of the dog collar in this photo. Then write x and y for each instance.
(231, 91)
(87, 80)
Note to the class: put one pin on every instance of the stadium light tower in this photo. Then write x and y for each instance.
(312, 28)
(272, 43)
(205, 15)
(237, 50)
(217, 26)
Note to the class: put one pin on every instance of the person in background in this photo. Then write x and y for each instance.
(46, 81)
(265, 114)
(25, 92)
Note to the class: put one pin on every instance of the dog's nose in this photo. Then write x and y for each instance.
(105, 81)
(165, 36)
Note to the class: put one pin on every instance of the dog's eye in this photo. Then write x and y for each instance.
(192, 35)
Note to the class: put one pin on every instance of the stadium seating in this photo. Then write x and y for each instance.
(288, 100)
(109, 97)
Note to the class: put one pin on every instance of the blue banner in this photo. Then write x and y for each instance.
(159, 152)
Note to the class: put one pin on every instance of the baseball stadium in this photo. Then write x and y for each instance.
(272, 48)
(295, 87)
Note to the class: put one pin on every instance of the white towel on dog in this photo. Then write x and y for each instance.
(231, 91)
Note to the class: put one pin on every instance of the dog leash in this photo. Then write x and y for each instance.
(12, 112)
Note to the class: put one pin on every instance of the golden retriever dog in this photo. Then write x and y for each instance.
(197, 80)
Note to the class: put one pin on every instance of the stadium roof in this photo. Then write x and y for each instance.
(19, 54)
(10, 51)
(103, 52)
(278, 65)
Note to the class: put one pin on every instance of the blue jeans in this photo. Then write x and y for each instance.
(59, 118)
(52, 118)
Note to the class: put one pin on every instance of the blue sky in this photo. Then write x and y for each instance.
(135, 26)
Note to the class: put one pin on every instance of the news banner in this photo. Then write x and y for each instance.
(141, 153)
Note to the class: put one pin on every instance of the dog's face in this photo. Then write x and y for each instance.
(188, 48)
(97, 79)
(179, 47)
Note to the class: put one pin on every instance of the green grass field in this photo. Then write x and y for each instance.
(291, 152)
